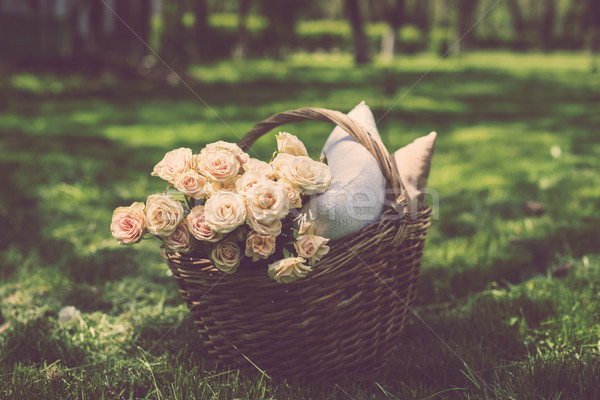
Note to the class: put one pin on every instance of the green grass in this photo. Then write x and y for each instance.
(512, 128)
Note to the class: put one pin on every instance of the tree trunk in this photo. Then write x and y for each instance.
(361, 45)
(395, 18)
(517, 22)
(201, 39)
(280, 32)
(546, 31)
(465, 20)
(173, 37)
(422, 17)
(592, 21)
(241, 47)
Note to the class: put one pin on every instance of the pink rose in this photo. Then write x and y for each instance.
(198, 228)
(218, 164)
(190, 183)
(180, 240)
(247, 181)
(312, 247)
(174, 162)
(128, 224)
(259, 246)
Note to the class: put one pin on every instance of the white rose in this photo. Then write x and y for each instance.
(226, 256)
(288, 269)
(128, 224)
(290, 144)
(259, 246)
(261, 167)
(312, 247)
(190, 183)
(218, 164)
(311, 176)
(248, 180)
(293, 192)
(198, 227)
(225, 211)
(174, 162)
(267, 201)
(180, 240)
(163, 214)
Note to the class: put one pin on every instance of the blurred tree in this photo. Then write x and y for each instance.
(174, 36)
(592, 22)
(546, 25)
(241, 46)
(464, 23)
(361, 45)
(280, 33)
(517, 23)
(393, 12)
(201, 31)
(422, 16)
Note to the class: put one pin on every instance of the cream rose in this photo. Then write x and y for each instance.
(289, 269)
(225, 211)
(267, 201)
(128, 224)
(190, 183)
(218, 186)
(293, 192)
(311, 176)
(174, 162)
(259, 246)
(290, 144)
(312, 247)
(180, 240)
(222, 145)
(232, 147)
(272, 229)
(226, 256)
(281, 162)
(198, 227)
(163, 214)
(218, 164)
(261, 167)
(247, 181)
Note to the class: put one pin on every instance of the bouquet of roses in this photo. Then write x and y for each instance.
(223, 205)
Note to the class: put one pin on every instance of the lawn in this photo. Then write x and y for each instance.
(509, 298)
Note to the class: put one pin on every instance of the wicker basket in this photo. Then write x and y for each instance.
(345, 318)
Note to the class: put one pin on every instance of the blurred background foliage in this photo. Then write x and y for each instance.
(92, 33)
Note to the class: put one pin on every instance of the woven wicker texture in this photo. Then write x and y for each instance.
(345, 318)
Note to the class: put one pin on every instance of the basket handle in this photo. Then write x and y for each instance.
(356, 130)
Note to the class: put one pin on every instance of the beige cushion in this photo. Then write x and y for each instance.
(414, 162)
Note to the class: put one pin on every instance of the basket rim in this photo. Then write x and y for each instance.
(386, 228)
